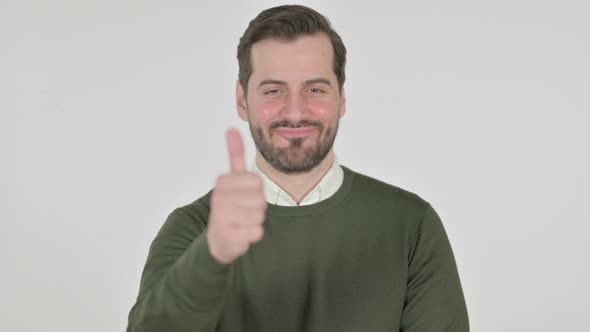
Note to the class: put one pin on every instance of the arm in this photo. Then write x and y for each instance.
(184, 278)
(182, 286)
(434, 298)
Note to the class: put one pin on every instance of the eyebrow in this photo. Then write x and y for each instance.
(308, 82)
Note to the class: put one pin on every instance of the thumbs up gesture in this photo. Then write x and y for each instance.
(238, 207)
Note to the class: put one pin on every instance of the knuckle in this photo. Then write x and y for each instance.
(217, 198)
(253, 216)
(241, 248)
(260, 215)
(262, 204)
(220, 181)
(258, 234)
(258, 184)
(253, 180)
(225, 181)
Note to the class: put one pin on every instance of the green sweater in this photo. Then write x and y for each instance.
(372, 257)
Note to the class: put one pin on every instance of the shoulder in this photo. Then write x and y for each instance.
(192, 217)
(198, 209)
(369, 188)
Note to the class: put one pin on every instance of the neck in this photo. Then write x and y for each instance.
(296, 185)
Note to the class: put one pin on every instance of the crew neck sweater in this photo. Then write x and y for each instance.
(371, 257)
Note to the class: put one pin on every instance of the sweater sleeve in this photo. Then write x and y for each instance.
(182, 286)
(434, 298)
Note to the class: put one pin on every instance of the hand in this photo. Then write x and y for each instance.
(238, 207)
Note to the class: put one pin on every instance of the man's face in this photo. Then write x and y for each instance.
(293, 104)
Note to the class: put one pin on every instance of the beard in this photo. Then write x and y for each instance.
(295, 158)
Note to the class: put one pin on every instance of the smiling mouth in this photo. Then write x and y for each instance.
(290, 132)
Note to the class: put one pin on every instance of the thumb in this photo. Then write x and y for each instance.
(235, 146)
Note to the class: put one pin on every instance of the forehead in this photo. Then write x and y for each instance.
(308, 55)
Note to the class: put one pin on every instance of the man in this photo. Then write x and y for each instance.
(300, 243)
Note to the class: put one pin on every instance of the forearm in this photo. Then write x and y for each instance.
(182, 286)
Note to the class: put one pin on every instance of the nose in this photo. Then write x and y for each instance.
(295, 108)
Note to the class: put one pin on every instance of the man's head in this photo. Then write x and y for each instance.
(290, 86)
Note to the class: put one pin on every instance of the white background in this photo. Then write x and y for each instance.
(113, 113)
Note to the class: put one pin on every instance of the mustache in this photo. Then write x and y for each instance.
(288, 124)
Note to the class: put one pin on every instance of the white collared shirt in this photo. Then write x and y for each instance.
(327, 186)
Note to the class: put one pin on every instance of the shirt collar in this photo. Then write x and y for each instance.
(328, 185)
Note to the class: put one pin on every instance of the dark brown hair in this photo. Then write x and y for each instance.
(287, 23)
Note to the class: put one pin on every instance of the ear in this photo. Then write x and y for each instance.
(241, 104)
(342, 102)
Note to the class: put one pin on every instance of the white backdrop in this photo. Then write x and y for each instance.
(112, 114)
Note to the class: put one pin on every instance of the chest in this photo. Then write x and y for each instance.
(312, 274)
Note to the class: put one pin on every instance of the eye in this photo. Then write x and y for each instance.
(316, 90)
(272, 92)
